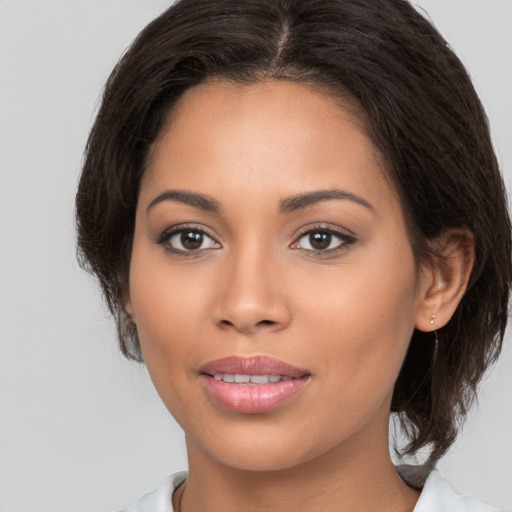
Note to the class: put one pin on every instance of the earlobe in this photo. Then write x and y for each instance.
(445, 278)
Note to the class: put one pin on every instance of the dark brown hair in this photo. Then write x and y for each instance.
(418, 106)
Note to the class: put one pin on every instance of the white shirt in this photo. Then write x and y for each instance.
(436, 495)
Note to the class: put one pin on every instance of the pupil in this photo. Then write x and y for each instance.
(191, 240)
(320, 240)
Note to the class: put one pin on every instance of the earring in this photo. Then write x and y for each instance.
(433, 320)
(433, 364)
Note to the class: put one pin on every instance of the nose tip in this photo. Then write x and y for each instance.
(249, 322)
(250, 301)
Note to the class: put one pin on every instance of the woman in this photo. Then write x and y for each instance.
(297, 218)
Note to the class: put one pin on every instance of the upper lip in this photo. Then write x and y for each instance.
(253, 365)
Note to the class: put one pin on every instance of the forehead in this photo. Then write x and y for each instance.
(273, 137)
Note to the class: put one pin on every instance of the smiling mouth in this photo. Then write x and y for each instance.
(252, 385)
(252, 366)
(238, 378)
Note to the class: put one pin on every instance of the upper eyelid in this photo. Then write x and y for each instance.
(344, 237)
(169, 232)
(336, 230)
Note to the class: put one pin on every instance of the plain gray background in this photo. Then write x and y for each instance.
(80, 428)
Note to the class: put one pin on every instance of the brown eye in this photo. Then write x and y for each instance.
(191, 240)
(187, 240)
(320, 240)
(323, 240)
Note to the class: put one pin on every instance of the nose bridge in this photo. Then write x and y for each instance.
(252, 296)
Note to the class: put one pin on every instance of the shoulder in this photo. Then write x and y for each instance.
(160, 499)
(438, 496)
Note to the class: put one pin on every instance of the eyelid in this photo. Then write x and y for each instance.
(326, 226)
(346, 237)
(168, 233)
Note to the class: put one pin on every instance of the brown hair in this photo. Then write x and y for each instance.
(421, 111)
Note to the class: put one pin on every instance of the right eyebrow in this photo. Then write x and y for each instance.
(190, 198)
(300, 201)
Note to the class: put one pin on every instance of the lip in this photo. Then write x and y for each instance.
(253, 398)
(253, 365)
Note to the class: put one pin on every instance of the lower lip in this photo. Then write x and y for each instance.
(253, 398)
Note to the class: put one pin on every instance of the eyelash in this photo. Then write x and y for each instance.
(184, 228)
(345, 240)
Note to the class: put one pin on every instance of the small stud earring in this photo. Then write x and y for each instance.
(433, 320)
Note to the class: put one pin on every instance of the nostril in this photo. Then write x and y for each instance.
(249, 327)
(266, 322)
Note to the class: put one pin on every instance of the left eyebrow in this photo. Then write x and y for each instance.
(194, 199)
(300, 201)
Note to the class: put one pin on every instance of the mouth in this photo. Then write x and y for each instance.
(252, 385)
(239, 378)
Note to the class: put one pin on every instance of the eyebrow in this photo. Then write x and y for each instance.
(287, 205)
(300, 201)
(191, 198)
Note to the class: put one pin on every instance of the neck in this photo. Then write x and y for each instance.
(344, 479)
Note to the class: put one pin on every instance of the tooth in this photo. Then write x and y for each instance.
(253, 379)
(259, 379)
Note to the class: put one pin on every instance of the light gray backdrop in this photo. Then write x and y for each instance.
(81, 430)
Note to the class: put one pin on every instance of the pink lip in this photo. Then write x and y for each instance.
(253, 398)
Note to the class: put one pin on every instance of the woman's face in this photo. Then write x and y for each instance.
(270, 247)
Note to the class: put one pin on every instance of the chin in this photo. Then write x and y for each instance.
(258, 459)
(261, 448)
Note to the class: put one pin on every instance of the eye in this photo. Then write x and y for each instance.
(322, 240)
(187, 240)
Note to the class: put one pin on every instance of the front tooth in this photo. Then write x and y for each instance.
(245, 379)
(259, 379)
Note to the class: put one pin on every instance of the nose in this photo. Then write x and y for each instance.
(252, 296)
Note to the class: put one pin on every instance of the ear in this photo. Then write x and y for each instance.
(444, 278)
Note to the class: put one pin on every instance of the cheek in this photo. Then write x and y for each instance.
(167, 313)
(168, 307)
(363, 320)
(166, 304)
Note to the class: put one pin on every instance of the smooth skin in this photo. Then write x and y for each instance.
(330, 285)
